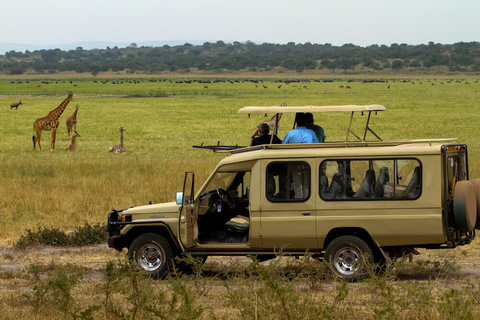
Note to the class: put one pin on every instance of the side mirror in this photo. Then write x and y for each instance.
(179, 197)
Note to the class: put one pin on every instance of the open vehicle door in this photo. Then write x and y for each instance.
(188, 228)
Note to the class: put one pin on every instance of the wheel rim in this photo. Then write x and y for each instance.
(346, 261)
(150, 257)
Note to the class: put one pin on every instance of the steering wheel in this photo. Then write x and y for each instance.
(226, 197)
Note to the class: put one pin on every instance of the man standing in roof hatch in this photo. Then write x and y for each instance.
(264, 137)
(300, 134)
(319, 132)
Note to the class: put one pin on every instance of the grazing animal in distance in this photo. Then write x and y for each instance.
(73, 146)
(15, 105)
(50, 122)
(72, 121)
(120, 148)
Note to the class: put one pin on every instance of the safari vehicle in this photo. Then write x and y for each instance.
(346, 202)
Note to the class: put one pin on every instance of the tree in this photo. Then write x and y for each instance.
(397, 64)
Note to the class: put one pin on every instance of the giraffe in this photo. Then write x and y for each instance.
(72, 121)
(120, 148)
(273, 123)
(50, 122)
(73, 146)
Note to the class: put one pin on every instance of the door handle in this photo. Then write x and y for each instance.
(306, 213)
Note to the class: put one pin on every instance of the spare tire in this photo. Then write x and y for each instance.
(464, 206)
(476, 187)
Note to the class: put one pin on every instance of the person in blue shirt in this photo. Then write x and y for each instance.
(300, 134)
(319, 132)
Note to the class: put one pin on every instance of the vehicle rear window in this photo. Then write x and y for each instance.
(288, 181)
(370, 179)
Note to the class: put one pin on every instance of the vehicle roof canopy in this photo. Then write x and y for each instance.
(289, 109)
(345, 108)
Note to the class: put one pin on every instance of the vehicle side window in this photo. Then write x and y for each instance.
(370, 179)
(288, 181)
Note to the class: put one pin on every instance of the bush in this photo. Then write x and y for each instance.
(85, 235)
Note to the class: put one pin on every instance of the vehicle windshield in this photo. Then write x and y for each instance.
(230, 181)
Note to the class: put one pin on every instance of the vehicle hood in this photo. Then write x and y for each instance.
(158, 208)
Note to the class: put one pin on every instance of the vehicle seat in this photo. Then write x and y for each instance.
(337, 188)
(415, 184)
(271, 187)
(366, 189)
(238, 224)
(323, 184)
(383, 178)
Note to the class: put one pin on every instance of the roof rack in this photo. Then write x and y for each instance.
(336, 144)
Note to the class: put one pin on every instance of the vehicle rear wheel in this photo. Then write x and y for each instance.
(464, 206)
(349, 257)
(476, 187)
(152, 253)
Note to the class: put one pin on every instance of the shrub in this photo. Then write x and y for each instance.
(85, 235)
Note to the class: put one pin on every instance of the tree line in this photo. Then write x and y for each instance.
(247, 56)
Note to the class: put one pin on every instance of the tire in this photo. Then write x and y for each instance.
(476, 187)
(349, 257)
(464, 206)
(152, 253)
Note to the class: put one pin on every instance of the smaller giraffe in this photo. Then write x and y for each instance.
(72, 121)
(73, 146)
(120, 148)
(15, 105)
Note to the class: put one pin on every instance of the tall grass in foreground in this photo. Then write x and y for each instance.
(164, 119)
(281, 289)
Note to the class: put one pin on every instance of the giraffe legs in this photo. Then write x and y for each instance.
(54, 135)
(36, 138)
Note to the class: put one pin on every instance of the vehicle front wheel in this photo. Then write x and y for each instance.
(349, 257)
(152, 253)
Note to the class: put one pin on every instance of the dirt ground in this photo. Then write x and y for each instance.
(463, 262)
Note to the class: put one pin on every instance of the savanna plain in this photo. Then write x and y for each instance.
(163, 119)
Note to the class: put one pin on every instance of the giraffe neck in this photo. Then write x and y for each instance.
(75, 113)
(121, 138)
(57, 112)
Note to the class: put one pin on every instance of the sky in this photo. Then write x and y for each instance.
(359, 22)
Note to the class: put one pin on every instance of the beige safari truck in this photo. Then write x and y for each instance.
(348, 202)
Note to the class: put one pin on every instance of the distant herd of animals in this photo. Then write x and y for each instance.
(51, 123)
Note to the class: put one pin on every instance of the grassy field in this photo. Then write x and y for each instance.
(163, 118)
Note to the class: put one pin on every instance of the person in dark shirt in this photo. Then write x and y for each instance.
(319, 132)
(261, 136)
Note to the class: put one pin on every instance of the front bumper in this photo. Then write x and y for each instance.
(115, 239)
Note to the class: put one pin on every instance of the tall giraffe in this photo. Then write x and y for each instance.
(50, 122)
(72, 121)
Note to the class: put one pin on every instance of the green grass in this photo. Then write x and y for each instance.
(164, 119)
